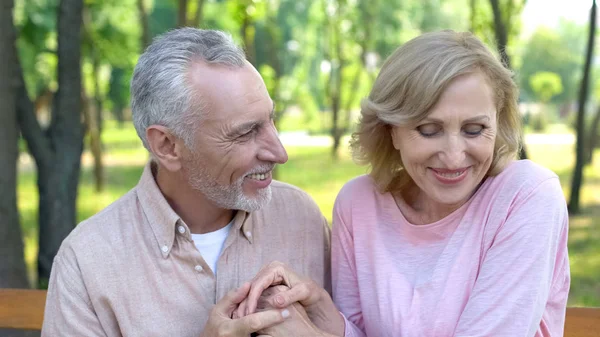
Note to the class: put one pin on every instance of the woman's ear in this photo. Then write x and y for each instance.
(395, 138)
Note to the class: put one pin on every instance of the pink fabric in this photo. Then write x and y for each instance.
(498, 266)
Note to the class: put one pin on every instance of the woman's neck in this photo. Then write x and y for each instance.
(419, 209)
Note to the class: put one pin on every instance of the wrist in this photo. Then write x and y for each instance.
(325, 315)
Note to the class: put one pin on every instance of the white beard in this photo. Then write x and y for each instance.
(227, 196)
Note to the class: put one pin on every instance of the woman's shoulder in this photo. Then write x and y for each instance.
(361, 188)
(360, 184)
(522, 174)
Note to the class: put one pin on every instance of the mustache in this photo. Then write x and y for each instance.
(261, 169)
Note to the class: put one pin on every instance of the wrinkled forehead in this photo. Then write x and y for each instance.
(225, 94)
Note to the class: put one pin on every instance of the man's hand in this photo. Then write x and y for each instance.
(298, 325)
(220, 323)
(315, 300)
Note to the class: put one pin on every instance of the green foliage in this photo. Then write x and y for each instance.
(539, 121)
(558, 51)
(545, 85)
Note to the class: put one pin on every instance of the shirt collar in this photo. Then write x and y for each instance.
(163, 219)
(159, 214)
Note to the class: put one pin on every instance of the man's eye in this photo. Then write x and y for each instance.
(248, 133)
(429, 130)
(473, 129)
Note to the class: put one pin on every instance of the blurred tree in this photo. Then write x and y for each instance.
(577, 179)
(504, 26)
(143, 18)
(593, 137)
(198, 14)
(566, 45)
(545, 84)
(182, 13)
(92, 115)
(12, 269)
(57, 149)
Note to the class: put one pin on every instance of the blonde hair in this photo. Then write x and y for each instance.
(409, 85)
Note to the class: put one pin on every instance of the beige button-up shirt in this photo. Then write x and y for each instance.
(133, 270)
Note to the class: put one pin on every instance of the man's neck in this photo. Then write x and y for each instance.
(199, 214)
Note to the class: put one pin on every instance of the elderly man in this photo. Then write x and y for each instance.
(171, 257)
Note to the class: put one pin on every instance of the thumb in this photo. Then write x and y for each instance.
(230, 301)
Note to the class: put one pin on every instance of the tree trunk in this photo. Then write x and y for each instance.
(198, 16)
(94, 126)
(473, 7)
(501, 32)
(12, 268)
(335, 86)
(583, 93)
(57, 150)
(182, 14)
(95, 144)
(97, 95)
(13, 273)
(593, 138)
(143, 17)
(115, 94)
(247, 32)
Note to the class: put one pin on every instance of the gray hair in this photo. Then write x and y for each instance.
(160, 93)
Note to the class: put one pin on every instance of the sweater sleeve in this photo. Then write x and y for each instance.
(526, 264)
(345, 284)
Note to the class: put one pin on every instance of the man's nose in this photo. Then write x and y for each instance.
(272, 150)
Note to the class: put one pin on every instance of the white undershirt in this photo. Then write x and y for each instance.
(211, 244)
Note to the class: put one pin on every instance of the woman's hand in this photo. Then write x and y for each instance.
(220, 322)
(315, 300)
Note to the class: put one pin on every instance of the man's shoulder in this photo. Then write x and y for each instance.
(106, 226)
(281, 189)
(288, 200)
(289, 193)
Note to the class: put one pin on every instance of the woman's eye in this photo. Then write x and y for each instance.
(473, 129)
(429, 130)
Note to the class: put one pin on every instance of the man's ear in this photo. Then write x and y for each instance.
(166, 147)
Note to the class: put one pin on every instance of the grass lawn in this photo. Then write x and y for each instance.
(313, 169)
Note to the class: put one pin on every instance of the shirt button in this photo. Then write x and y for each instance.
(181, 229)
(198, 268)
(165, 249)
(248, 234)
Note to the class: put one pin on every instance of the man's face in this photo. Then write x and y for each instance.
(236, 144)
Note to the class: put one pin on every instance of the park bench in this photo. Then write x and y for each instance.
(24, 309)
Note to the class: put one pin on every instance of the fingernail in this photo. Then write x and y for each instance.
(285, 313)
(279, 300)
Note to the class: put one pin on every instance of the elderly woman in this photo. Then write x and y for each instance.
(448, 235)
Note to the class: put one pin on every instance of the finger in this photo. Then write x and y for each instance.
(259, 321)
(262, 281)
(300, 293)
(231, 300)
(241, 309)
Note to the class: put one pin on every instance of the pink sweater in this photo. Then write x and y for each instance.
(497, 266)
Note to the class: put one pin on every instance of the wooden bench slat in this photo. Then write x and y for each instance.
(22, 308)
(582, 322)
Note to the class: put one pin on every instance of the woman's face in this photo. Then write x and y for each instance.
(449, 152)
